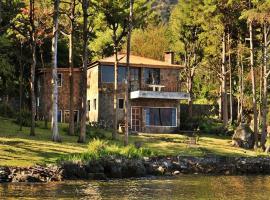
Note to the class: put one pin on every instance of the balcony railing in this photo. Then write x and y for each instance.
(157, 88)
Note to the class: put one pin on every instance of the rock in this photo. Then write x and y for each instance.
(97, 176)
(112, 169)
(4, 174)
(161, 169)
(74, 171)
(176, 173)
(134, 168)
(243, 137)
(95, 167)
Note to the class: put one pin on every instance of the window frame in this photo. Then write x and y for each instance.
(61, 115)
(95, 104)
(89, 105)
(101, 73)
(60, 81)
(159, 125)
(151, 69)
(73, 115)
(119, 103)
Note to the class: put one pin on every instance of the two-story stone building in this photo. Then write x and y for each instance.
(44, 93)
(155, 92)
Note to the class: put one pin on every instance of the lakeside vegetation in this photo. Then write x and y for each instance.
(17, 148)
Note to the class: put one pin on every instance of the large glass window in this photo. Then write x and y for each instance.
(107, 74)
(160, 116)
(134, 74)
(121, 74)
(152, 76)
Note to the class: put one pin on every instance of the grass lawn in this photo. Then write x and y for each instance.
(17, 148)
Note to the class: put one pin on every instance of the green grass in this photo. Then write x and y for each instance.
(17, 148)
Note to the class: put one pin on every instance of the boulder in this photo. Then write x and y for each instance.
(243, 137)
(74, 171)
(4, 174)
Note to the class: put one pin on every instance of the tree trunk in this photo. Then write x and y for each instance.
(230, 72)
(254, 102)
(21, 86)
(190, 91)
(82, 136)
(115, 121)
(45, 112)
(33, 67)
(71, 78)
(241, 88)
(1, 12)
(55, 136)
(260, 97)
(127, 104)
(265, 93)
(224, 97)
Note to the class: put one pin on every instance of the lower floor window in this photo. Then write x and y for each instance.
(160, 116)
(59, 116)
(67, 116)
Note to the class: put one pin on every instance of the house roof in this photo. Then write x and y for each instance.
(136, 61)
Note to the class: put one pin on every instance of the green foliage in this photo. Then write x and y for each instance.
(212, 126)
(6, 110)
(98, 149)
(151, 42)
(26, 118)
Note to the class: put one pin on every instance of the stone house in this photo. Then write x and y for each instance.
(154, 97)
(44, 94)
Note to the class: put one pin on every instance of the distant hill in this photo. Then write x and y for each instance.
(163, 7)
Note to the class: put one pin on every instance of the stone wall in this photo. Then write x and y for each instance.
(44, 92)
(93, 93)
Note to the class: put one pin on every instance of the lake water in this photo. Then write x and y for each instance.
(181, 187)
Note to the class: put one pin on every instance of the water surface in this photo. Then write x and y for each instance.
(181, 187)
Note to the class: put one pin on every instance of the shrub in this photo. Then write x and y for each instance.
(98, 149)
(6, 110)
(212, 126)
(26, 118)
(94, 133)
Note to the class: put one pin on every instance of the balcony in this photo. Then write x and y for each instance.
(159, 92)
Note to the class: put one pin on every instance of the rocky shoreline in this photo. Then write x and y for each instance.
(110, 168)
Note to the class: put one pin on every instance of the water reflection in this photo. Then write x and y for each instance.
(183, 187)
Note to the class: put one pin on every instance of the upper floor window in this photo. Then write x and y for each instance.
(107, 74)
(59, 80)
(152, 76)
(134, 74)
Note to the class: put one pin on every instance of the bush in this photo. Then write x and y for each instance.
(6, 110)
(94, 133)
(212, 126)
(26, 118)
(98, 149)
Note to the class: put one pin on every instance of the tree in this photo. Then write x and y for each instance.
(185, 26)
(85, 8)
(127, 106)
(55, 136)
(150, 42)
(69, 31)
(33, 66)
(116, 16)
